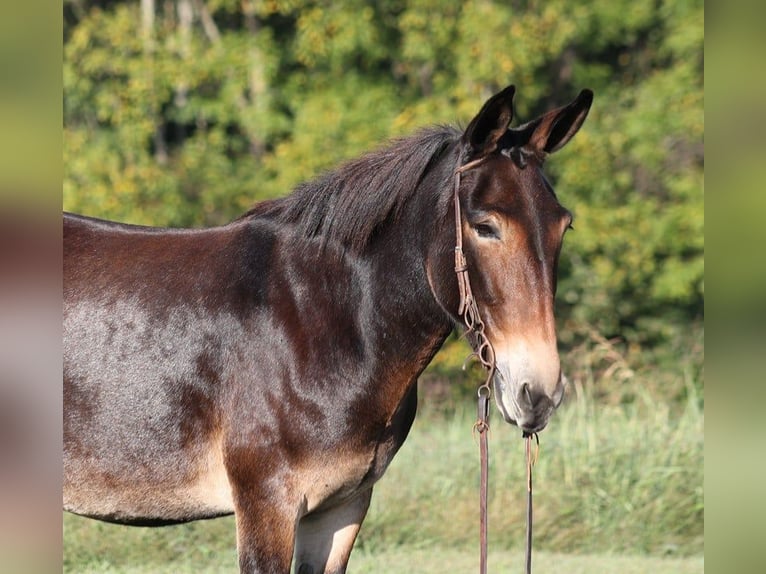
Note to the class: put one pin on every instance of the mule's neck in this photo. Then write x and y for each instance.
(409, 323)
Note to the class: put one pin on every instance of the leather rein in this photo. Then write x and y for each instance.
(485, 353)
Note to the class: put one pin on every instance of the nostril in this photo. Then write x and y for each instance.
(525, 395)
(534, 407)
(532, 399)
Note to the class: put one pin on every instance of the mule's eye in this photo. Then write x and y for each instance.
(486, 230)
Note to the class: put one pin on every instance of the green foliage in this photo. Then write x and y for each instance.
(634, 178)
(190, 116)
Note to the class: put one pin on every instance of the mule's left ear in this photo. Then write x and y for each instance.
(553, 130)
(489, 125)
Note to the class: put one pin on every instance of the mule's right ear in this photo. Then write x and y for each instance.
(552, 131)
(489, 125)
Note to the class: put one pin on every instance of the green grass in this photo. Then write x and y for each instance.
(617, 489)
(619, 479)
(434, 560)
(441, 560)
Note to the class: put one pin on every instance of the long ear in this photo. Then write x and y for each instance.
(550, 132)
(489, 125)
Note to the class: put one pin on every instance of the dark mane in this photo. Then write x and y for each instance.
(347, 205)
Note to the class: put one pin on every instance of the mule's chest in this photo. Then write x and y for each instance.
(351, 470)
(334, 478)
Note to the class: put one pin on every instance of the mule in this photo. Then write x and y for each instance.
(268, 367)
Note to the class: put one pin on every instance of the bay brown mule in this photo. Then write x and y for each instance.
(268, 367)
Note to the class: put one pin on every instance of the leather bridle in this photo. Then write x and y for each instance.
(468, 310)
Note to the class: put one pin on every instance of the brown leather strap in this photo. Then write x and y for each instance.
(461, 266)
(482, 426)
(468, 310)
(531, 460)
(483, 350)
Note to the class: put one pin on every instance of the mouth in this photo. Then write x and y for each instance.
(525, 428)
(523, 407)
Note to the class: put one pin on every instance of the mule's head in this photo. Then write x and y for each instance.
(513, 227)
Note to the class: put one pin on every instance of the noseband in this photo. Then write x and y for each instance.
(483, 350)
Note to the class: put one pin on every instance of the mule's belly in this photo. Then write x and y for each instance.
(142, 438)
(150, 495)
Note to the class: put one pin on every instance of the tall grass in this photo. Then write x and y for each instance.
(617, 479)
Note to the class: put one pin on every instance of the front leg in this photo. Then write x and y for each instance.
(266, 510)
(325, 538)
(265, 532)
